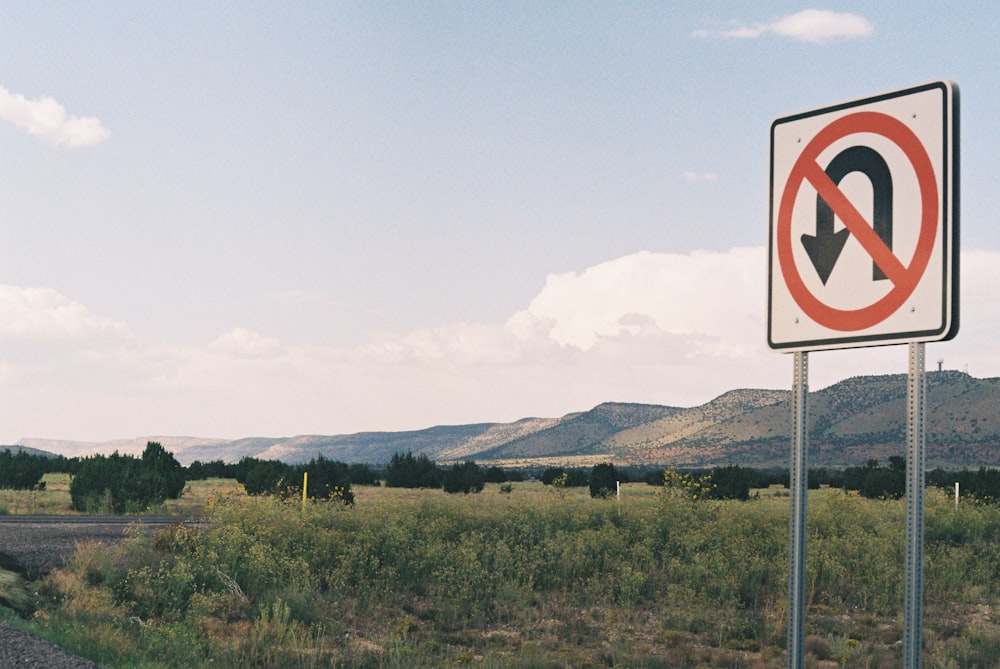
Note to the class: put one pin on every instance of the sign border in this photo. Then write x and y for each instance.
(949, 199)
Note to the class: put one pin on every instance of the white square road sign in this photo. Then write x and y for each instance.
(863, 247)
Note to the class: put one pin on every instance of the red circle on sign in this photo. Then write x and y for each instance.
(904, 278)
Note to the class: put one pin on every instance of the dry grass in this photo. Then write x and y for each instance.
(53, 500)
(196, 500)
(199, 497)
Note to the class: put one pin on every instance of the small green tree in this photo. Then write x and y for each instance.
(122, 483)
(328, 480)
(407, 471)
(551, 474)
(495, 474)
(731, 482)
(466, 477)
(603, 481)
(876, 482)
(265, 477)
(21, 471)
(362, 474)
(216, 469)
(568, 478)
(164, 474)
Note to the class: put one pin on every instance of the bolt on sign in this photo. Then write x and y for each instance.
(863, 247)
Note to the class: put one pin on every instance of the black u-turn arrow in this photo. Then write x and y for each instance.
(825, 246)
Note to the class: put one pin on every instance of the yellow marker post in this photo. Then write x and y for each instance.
(305, 488)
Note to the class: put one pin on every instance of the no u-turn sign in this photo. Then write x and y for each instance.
(864, 222)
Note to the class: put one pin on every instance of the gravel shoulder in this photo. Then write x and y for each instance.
(34, 545)
(23, 650)
(31, 546)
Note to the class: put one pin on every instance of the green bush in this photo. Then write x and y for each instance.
(603, 481)
(21, 470)
(466, 477)
(566, 478)
(362, 474)
(327, 480)
(119, 483)
(731, 482)
(199, 471)
(161, 474)
(407, 471)
(876, 482)
(263, 477)
(982, 484)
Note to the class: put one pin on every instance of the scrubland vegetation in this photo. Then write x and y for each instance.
(540, 576)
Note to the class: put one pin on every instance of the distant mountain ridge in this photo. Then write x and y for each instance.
(851, 422)
(16, 448)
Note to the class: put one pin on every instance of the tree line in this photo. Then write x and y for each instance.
(870, 480)
(122, 483)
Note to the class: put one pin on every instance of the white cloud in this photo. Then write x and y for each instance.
(817, 25)
(33, 313)
(453, 345)
(664, 328)
(46, 119)
(691, 177)
(243, 342)
(701, 295)
(809, 25)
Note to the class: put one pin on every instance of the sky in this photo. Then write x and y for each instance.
(238, 219)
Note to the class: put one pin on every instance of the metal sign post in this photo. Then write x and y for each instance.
(841, 276)
(913, 577)
(799, 485)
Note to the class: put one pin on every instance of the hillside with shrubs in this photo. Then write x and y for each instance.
(851, 421)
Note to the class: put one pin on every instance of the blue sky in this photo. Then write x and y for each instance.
(233, 219)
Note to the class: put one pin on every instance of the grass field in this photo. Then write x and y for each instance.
(536, 577)
(54, 499)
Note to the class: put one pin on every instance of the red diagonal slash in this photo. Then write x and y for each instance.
(856, 223)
